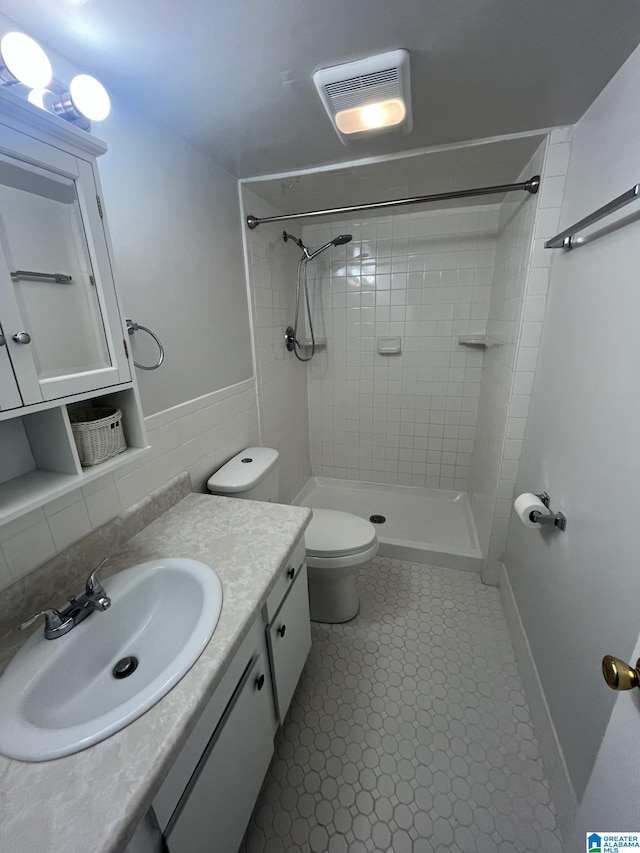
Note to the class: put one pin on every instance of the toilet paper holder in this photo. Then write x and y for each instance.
(558, 519)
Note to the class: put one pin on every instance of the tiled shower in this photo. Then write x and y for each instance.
(440, 414)
(425, 277)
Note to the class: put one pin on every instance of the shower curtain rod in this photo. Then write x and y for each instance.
(531, 186)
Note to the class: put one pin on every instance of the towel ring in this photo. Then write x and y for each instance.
(133, 327)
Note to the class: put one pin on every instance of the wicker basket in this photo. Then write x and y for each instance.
(98, 434)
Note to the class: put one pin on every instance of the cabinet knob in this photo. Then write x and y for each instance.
(260, 682)
(3, 340)
(281, 630)
(22, 338)
(291, 573)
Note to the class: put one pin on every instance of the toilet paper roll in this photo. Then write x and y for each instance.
(527, 503)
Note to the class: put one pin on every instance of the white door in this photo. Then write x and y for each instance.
(611, 802)
(57, 299)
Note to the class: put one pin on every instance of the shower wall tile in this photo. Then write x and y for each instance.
(426, 276)
(516, 315)
(281, 378)
(197, 436)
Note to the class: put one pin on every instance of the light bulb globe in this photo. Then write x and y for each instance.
(25, 60)
(90, 97)
(374, 115)
(42, 98)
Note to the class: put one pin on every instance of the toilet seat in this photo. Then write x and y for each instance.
(332, 534)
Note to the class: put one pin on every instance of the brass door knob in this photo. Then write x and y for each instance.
(620, 675)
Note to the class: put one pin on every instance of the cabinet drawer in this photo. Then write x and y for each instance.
(289, 636)
(216, 807)
(285, 579)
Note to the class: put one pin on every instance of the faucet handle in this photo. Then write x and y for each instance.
(93, 586)
(53, 619)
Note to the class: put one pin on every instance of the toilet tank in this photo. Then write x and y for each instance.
(252, 474)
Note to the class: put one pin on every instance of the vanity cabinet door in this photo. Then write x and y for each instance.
(215, 808)
(289, 637)
(58, 304)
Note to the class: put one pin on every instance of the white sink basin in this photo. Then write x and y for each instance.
(60, 696)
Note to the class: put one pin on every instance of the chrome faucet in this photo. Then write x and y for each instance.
(59, 622)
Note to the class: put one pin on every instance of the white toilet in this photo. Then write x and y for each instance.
(337, 543)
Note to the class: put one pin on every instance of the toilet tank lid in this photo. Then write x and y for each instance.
(243, 471)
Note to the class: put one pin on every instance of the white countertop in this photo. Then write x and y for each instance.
(91, 802)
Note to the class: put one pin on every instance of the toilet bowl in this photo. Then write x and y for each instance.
(336, 543)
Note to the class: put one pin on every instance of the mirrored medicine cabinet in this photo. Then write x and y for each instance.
(62, 341)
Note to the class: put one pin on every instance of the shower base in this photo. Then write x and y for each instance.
(431, 526)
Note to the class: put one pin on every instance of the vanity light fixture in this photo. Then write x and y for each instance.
(86, 99)
(22, 60)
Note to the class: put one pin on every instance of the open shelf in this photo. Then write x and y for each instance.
(39, 460)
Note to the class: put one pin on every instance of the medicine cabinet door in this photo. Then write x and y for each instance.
(9, 394)
(58, 305)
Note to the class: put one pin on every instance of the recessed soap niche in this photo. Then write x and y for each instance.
(39, 460)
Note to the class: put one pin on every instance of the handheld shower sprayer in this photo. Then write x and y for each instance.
(340, 240)
(291, 333)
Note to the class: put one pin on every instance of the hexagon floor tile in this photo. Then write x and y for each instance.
(409, 731)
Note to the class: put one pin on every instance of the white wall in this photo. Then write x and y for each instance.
(518, 298)
(281, 378)
(405, 419)
(174, 219)
(578, 592)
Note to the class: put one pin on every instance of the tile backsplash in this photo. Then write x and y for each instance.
(196, 436)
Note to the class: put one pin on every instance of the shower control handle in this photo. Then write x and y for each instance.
(289, 339)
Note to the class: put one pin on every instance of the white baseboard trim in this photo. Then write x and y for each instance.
(555, 768)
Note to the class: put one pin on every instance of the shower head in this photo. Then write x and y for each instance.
(340, 240)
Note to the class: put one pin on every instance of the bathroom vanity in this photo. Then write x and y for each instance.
(199, 756)
(210, 791)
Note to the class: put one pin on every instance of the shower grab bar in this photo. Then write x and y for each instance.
(133, 327)
(565, 239)
(531, 186)
(58, 277)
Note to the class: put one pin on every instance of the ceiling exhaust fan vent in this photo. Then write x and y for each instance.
(369, 96)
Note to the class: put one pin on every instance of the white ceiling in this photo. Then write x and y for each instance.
(235, 77)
